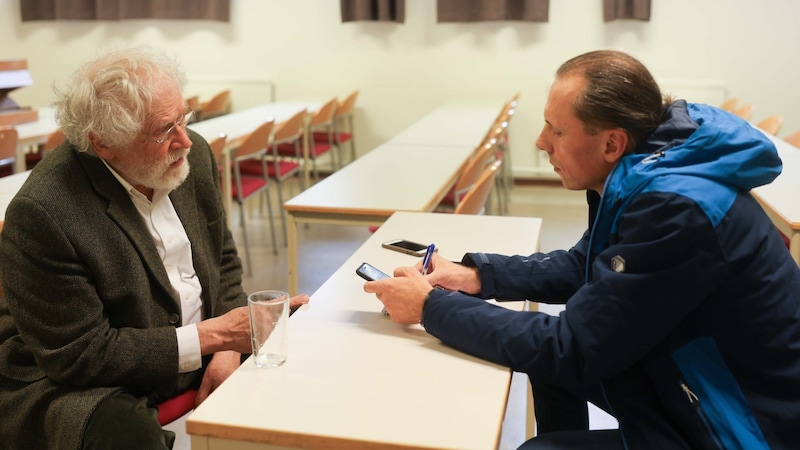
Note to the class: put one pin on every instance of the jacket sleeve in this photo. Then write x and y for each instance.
(672, 262)
(543, 277)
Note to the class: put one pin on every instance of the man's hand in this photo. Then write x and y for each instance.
(402, 295)
(452, 276)
(220, 367)
(231, 331)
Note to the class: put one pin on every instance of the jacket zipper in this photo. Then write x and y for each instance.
(694, 400)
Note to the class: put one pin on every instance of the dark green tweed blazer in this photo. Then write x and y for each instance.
(88, 307)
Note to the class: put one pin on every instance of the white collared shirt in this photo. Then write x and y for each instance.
(175, 250)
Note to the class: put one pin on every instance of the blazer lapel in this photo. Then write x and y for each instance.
(185, 203)
(122, 211)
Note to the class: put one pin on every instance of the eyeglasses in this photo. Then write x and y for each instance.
(182, 122)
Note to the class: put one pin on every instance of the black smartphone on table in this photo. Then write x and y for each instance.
(406, 246)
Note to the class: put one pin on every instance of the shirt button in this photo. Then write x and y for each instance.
(174, 318)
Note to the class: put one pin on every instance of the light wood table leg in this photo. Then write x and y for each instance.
(530, 414)
(291, 234)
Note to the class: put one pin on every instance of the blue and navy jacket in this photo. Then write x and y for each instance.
(682, 301)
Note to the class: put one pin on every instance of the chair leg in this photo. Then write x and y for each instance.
(244, 237)
(338, 163)
(279, 183)
(271, 222)
(506, 175)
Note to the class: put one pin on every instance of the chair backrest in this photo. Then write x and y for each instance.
(347, 105)
(771, 124)
(256, 141)
(474, 168)
(745, 111)
(475, 200)
(793, 139)
(54, 139)
(193, 103)
(291, 128)
(324, 115)
(500, 125)
(219, 105)
(729, 104)
(8, 145)
(218, 146)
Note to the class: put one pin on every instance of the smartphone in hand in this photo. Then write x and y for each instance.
(370, 273)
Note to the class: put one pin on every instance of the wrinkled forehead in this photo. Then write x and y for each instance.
(167, 106)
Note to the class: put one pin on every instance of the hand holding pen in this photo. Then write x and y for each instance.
(426, 260)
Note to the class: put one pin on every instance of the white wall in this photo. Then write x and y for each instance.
(743, 48)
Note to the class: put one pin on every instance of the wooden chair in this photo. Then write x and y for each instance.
(793, 139)
(771, 124)
(322, 124)
(745, 111)
(469, 176)
(729, 104)
(343, 127)
(499, 132)
(218, 105)
(224, 166)
(245, 187)
(476, 199)
(193, 103)
(284, 158)
(8, 150)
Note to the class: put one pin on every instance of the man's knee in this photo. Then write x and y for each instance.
(124, 421)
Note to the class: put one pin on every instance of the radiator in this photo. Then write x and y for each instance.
(245, 92)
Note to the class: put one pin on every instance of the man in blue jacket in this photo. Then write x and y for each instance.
(682, 315)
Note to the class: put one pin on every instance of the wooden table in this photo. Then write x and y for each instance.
(370, 189)
(780, 198)
(354, 379)
(411, 172)
(451, 124)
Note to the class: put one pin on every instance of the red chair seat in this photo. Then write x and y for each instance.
(249, 185)
(254, 168)
(31, 159)
(321, 136)
(175, 407)
(288, 149)
(785, 239)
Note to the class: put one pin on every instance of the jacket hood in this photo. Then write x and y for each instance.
(700, 141)
(699, 152)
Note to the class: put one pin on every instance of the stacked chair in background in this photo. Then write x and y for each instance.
(487, 162)
(282, 159)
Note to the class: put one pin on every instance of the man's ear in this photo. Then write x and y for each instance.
(617, 143)
(100, 148)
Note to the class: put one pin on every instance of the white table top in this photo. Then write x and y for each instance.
(391, 177)
(451, 124)
(781, 195)
(241, 123)
(33, 132)
(9, 186)
(356, 380)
